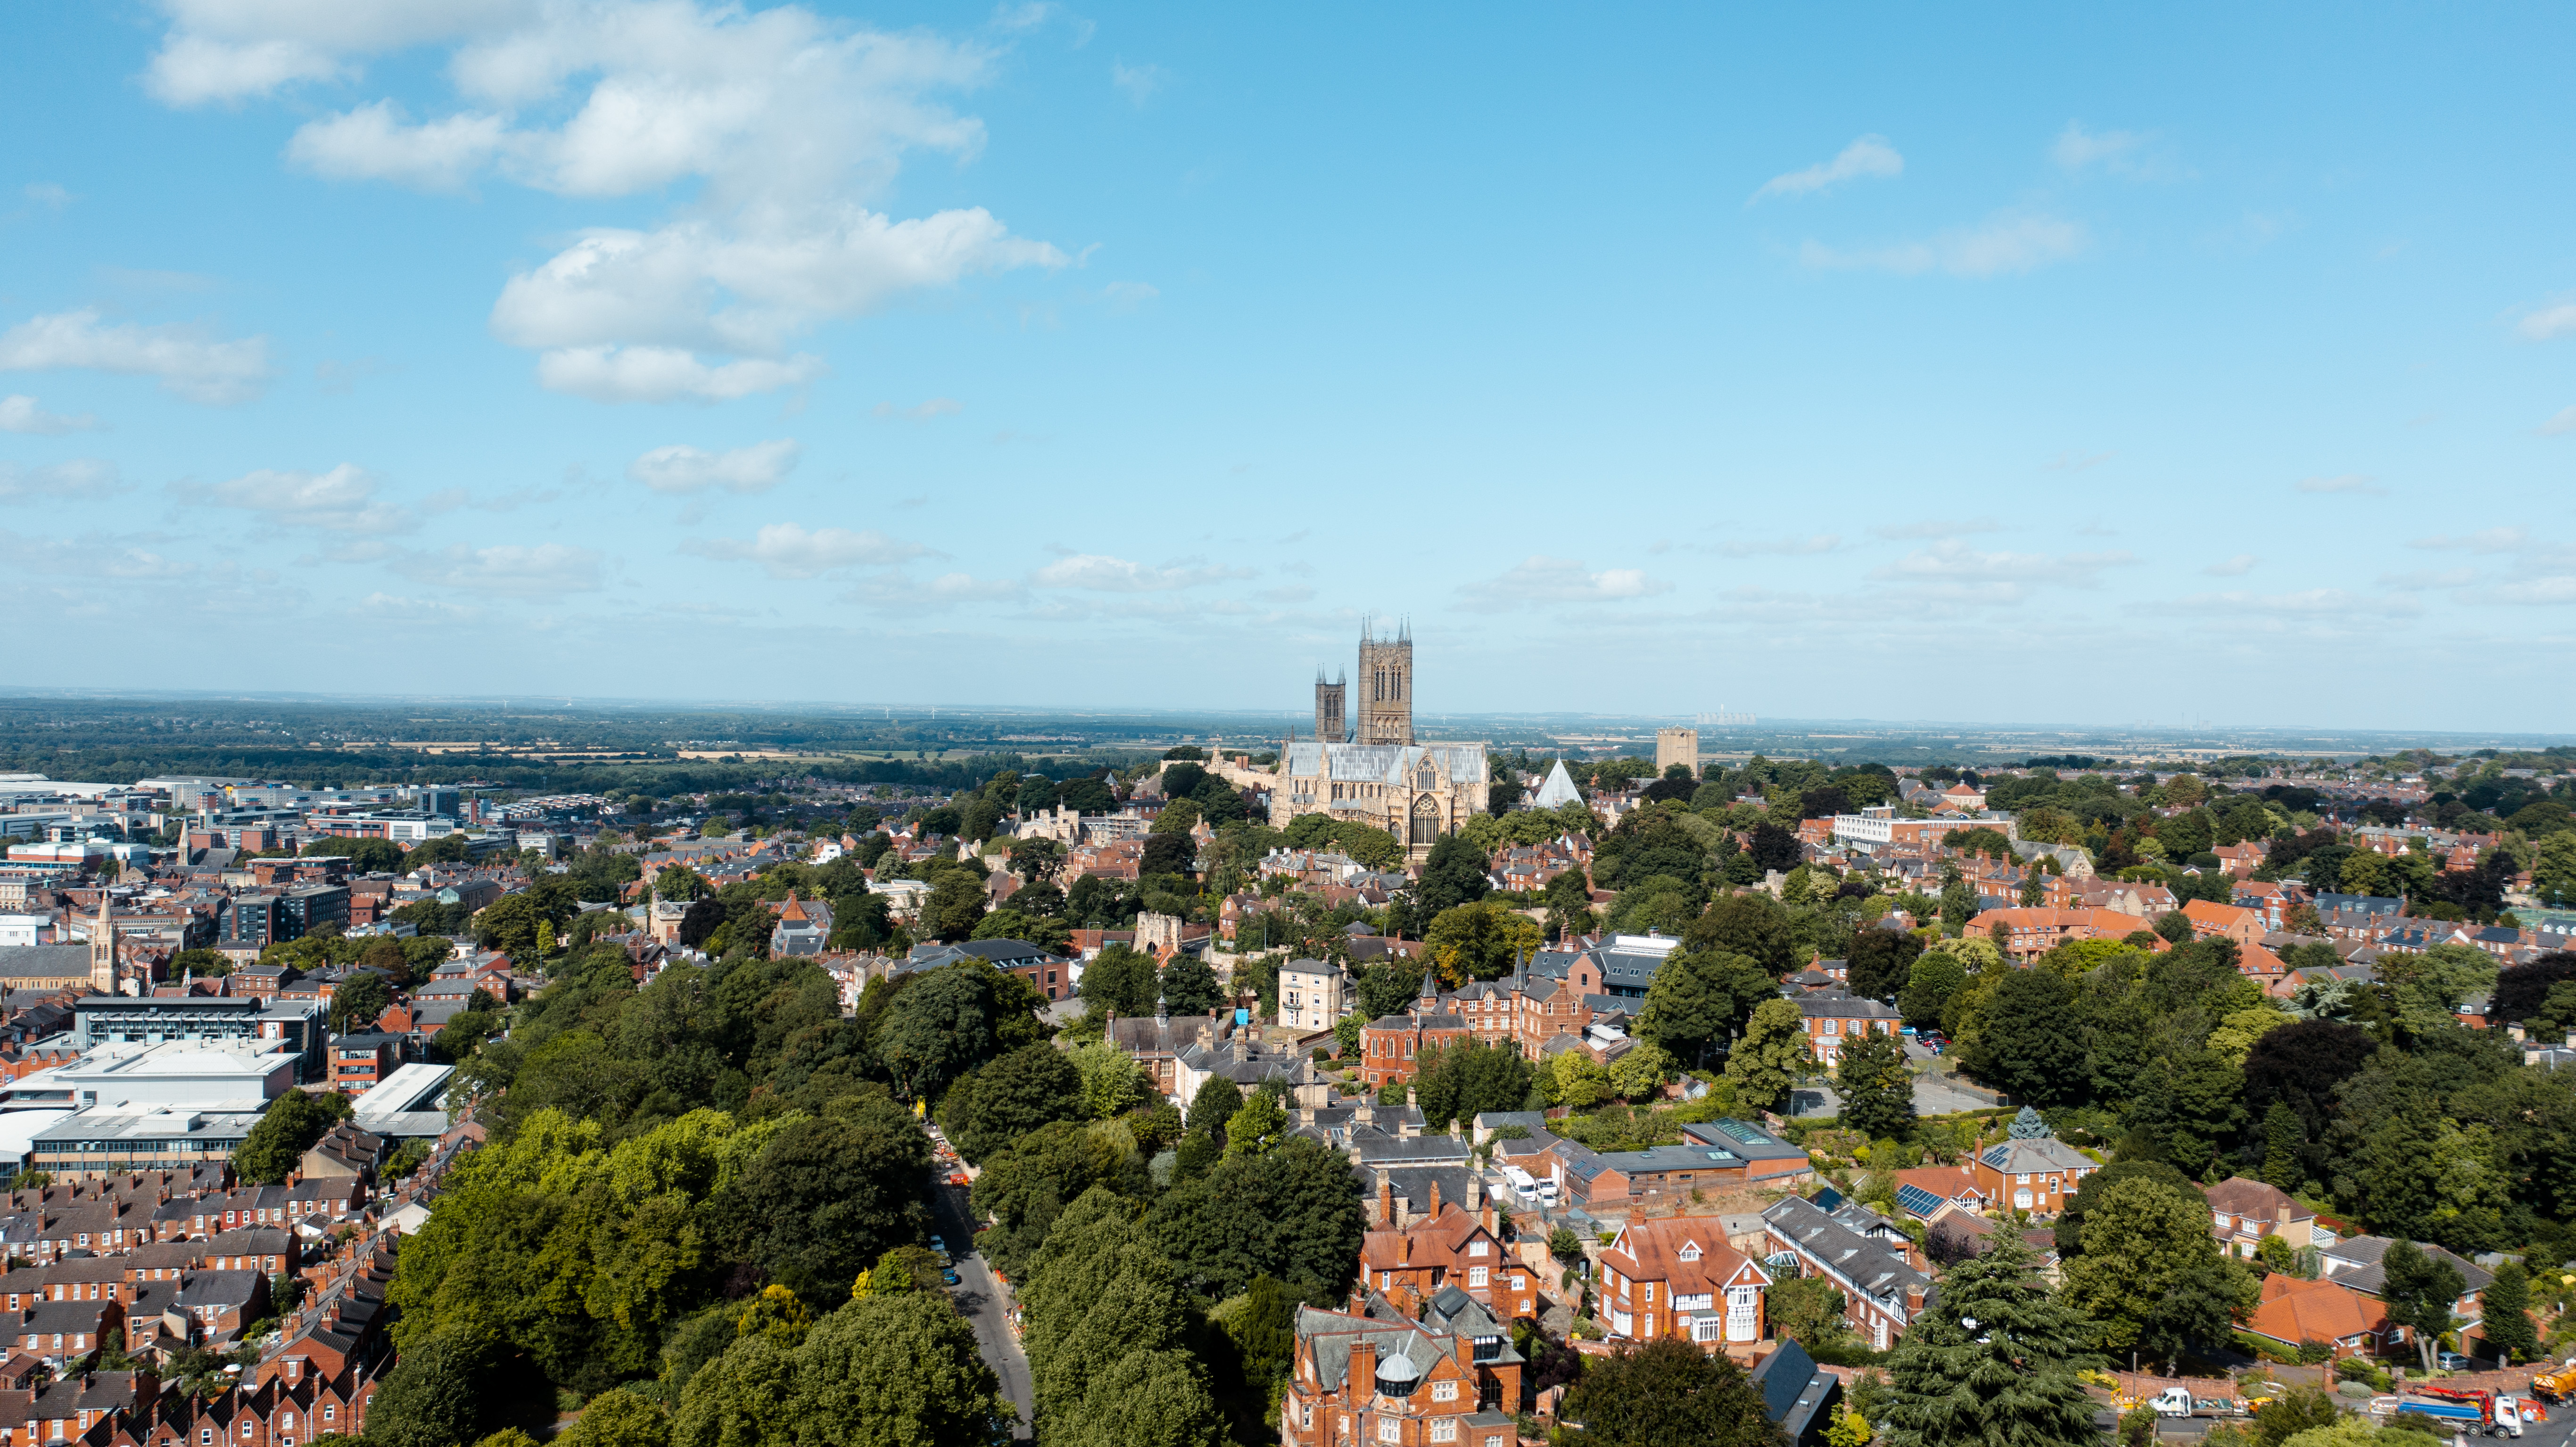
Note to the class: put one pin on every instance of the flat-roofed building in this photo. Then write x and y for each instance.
(116, 1142)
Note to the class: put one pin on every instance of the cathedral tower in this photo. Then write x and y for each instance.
(1386, 686)
(1331, 708)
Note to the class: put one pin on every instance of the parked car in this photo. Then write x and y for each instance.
(2453, 1362)
(950, 1277)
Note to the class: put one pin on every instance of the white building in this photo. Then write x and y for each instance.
(1310, 995)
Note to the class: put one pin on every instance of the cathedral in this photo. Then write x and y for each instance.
(1374, 773)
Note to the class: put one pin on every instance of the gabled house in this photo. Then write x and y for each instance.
(1676, 1276)
(2242, 1211)
(1378, 1376)
(2032, 1170)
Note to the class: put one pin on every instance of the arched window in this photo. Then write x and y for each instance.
(1426, 821)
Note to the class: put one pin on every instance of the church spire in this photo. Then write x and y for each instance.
(102, 944)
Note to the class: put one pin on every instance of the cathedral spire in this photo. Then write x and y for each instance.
(102, 944)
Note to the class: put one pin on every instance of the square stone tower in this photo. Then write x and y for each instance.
(1676, 746)
(1332, 711)
(1386, 686)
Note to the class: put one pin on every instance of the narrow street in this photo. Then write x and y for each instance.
(983, 1299)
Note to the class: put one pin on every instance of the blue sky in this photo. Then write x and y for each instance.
(1989, 365)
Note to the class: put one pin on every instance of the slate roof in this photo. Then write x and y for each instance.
(42, 962)
(2365, 1269)
(2035, 1157)
(1795, 1392)
(1861, 1263)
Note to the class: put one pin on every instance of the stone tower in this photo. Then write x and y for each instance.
(102, 946)
(1677, 746)
(1331, 708)
(1386, 686)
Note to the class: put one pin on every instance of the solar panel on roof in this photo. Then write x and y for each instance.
(1740, 1131)
(1916, 1200)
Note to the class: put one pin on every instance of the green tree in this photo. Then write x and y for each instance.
(275, 1147)
(1257, 1127)
(2420, 1291)
(1454, 873)
(1993, 1361)
(1751, 924)
(2150, 1278)
(2291, 1413)
(1882, 962)
(2506, 1304)
(1189, 986)
(1122, 981)
(1700, 999)
(995, 1104)
(1479, 941)
(1112, 1081)
(949, 1020)
(1807, 1310)
(1669, 1393)
(955, 904)
(1768, 1060)
(1215, 1104)
(439, 1394)
(1877, 1089)
(358, 1000)
(1467, 1079)
(2032, 1043)
(1934, 978)
(825, 1197)
(2070, 1221)
(893, 1371)
(2281, 1147)
(619, 1419)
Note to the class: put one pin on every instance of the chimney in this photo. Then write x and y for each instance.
(1913, 1302)
(1435, 1198)
(1475, 1193)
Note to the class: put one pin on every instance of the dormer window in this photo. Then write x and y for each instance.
(1690, 1251)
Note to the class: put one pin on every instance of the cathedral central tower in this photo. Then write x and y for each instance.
(1386, 686)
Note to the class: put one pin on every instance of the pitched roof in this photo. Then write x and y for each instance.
(2296, 1311)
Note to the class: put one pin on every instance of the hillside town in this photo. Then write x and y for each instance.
(1363, 1088)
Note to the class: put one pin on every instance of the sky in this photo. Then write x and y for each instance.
(2207, 362)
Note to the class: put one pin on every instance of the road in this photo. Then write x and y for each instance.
(1936, 1091)
(2552, 1433)
(983, 1299)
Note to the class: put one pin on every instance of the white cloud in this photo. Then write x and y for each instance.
(695, 285)
(1936, 528)
(2546, 591)
(184, 359)
(79, 478)
(88, 558)
(1868, 156)
(1541, 579)
(2235, 567)
(48, 193)
(377, 142)
(2133, 154)
(2006, 243)
(2560, 425)
(2491, 540)
(790, 120)
(2307, 603)
(1951, 561)
(935, 407)
(224, 50)
(1100, 573)
(665, 374)
(2354, 483)
(397, 608)
(2430, 578)
(342, 500)
(1137, 82)
(2550, 321)
(789, 550)
(2078, 461)
(19, 413)
(515, 569)
(1783, 547)
(894, 590)
(680, 468)
(1126, 296)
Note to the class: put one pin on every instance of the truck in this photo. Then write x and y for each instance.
(2555, 1384)
(2468, 1411)
(2179, 1402)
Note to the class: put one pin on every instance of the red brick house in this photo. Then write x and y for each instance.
(1676, 1276)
